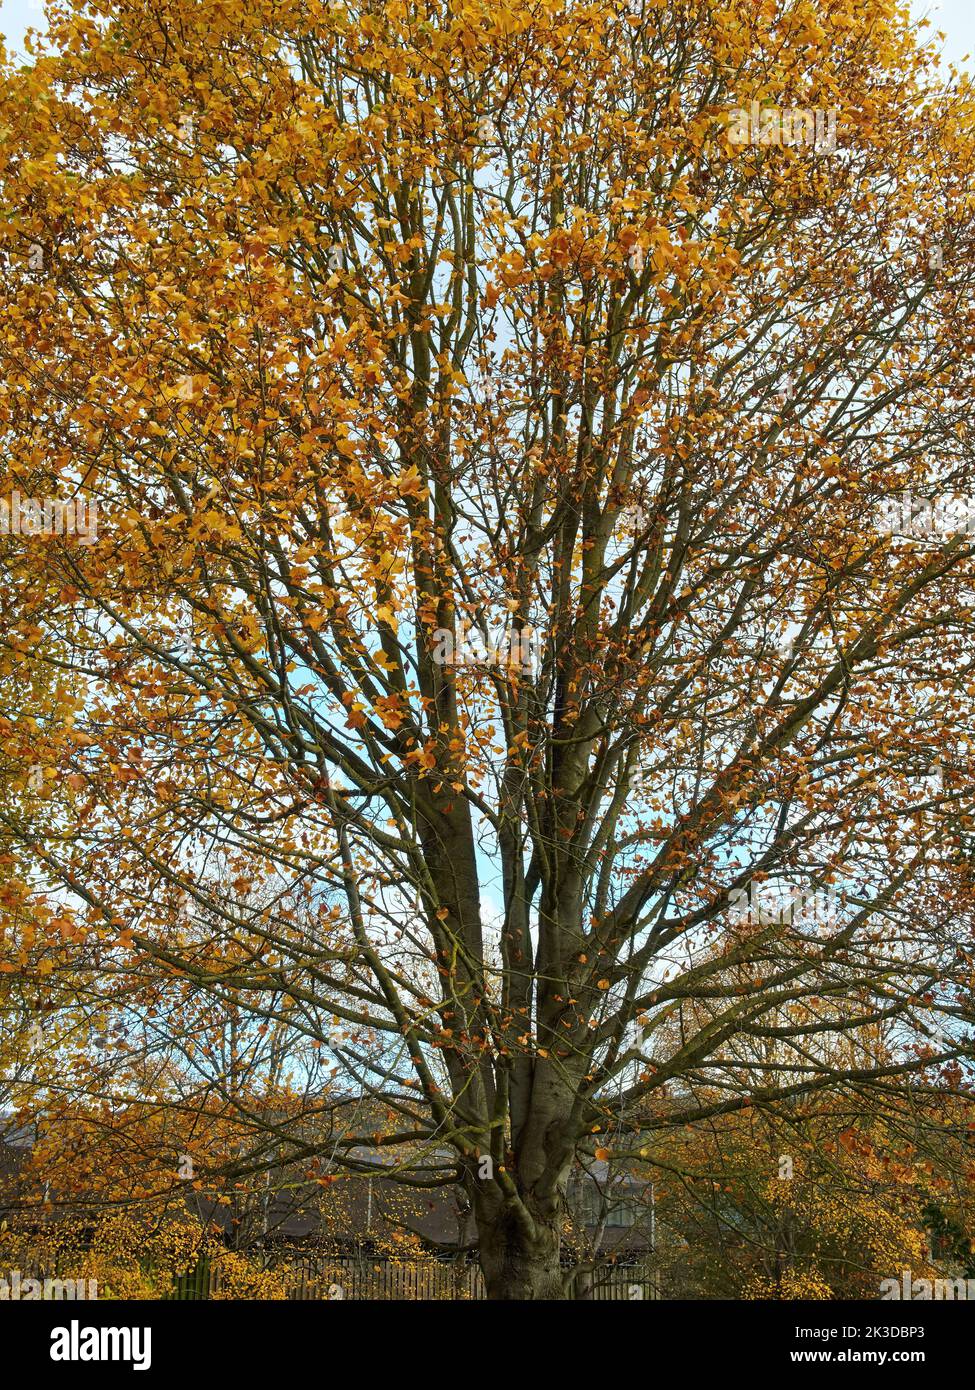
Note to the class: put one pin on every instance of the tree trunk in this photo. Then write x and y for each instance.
(519, 1254)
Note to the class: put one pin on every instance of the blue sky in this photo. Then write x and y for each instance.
(955, 17)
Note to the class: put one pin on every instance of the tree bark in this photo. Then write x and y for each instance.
(519, 1253)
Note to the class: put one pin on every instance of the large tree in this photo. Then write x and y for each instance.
(490, 412)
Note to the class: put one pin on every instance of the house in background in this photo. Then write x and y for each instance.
(371, 1216)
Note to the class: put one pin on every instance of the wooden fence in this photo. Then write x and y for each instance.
(311, 1276)
(385, 1280)
(315, 1275)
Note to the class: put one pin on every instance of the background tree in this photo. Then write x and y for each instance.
(825, 1203)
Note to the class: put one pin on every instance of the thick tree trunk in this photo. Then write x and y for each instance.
(519, 1254)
